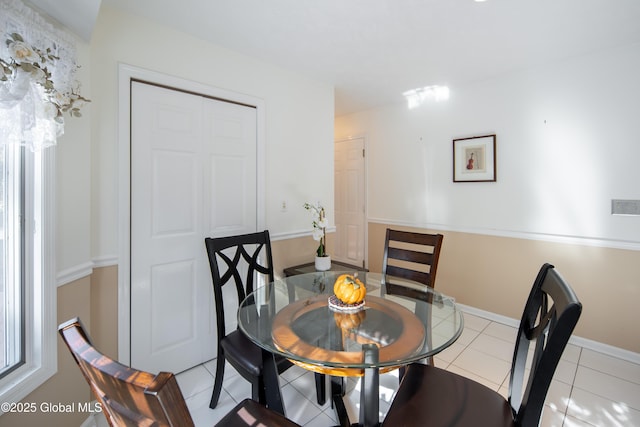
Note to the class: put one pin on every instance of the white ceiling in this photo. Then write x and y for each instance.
(81, 21)
(373, 50)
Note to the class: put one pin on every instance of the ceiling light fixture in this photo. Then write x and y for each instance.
(415, 97)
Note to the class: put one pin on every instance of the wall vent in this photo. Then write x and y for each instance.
(625, 207)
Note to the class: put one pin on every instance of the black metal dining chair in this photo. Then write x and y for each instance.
(435, 397)
(130, 397)
(228, 257)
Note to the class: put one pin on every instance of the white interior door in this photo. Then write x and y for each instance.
(349, 169)
(193, 174)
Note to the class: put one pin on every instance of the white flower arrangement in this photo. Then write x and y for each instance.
(27, 61)
(320, 224)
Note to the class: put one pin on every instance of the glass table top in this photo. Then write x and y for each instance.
(405, 321)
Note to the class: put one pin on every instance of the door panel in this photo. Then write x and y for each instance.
(232, 168)
(169, 328)
(349, 169)
(227, 212)
(179, 143)
(174, 193)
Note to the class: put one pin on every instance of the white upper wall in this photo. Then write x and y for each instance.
(73, 183)
(299, 118)
(554, 178)
(568, 141)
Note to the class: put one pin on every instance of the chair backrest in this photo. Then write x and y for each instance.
(128, 397)
(235, 253)
(411, 256)
(550, 315)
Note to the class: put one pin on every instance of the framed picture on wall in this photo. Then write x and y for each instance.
(474, 159)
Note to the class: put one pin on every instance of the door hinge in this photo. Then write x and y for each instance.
(363, 152)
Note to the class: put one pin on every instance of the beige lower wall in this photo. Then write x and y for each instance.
(496, 273)
(94, 300)
(104, 310)
(67, 385)
(292, 252)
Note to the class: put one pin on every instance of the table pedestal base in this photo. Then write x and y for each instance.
(370, 389)
(369, 393)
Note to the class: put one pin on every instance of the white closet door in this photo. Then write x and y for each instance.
(193, 174)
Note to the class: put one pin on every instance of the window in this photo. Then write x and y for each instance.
(27, 290)
(12, 259)
(31, 101)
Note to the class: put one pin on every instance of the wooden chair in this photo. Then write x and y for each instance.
(130, 397)
(227, 257)
(411, 256)
(429, 396)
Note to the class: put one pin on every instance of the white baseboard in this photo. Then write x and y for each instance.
(609, 350)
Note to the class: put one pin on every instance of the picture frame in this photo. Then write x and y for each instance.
(474, 159)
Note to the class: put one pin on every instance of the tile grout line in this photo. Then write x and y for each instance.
(572, 385)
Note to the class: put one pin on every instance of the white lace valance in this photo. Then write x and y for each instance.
(31, 104)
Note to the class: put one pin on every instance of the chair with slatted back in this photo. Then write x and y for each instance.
(429, 396)
(130, 397)
(411, 256)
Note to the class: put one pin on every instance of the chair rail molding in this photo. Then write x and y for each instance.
(547, 237)
(85, 269)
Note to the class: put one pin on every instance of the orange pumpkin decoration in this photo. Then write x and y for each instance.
(349, 289)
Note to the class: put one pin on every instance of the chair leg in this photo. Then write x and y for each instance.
(217, 383)
(321, 389)
(258, 390)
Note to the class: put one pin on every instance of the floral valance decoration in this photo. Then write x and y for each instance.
(37, 78)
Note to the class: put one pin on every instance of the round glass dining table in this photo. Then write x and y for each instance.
(401, 322)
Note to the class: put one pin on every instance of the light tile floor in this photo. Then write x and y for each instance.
(589, 388)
